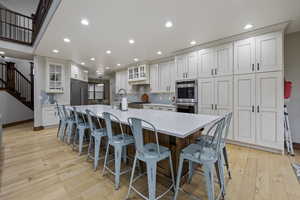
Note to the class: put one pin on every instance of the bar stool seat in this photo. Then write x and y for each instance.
(122, 139)
(199, 153)
(99, 132)
(150, 151)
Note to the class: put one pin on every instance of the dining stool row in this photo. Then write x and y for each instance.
(79, 127)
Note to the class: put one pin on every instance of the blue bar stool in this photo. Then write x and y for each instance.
(97, 132)
(209, 157)
(119, 141)
(59, 115)
(151, 154)
(71, 122)
(206, 140)
(81, 127)
(63, 122)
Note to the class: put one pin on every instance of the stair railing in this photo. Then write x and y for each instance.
(16, 83)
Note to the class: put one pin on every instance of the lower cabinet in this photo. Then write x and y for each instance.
(50, 116)
(258, 109)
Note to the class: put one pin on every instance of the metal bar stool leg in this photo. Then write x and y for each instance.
(178, 176)
(118, 157)
(151, 174)
(81, 135)
(132, 175)
(96, 152)
(226, 161)
(124, 154)
(209, 177)
(191, 171)
(172, 172)
(105, 159)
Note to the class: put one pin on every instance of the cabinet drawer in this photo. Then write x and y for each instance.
(49, 117)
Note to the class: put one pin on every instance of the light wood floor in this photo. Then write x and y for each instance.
(36, 166)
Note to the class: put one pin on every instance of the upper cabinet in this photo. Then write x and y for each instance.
(206, 63)
(181, 67)
(187, 66)
(122, 81)
(138, 73)
(224, 60)
(79, 73)
(259, 54)
(55, 77)
(162, 77)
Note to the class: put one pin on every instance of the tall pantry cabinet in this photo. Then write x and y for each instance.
(258, 91)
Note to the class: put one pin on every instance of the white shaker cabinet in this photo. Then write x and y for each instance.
(154, 78)
(244, 108)
(269, 52)
(205, 63)
(55, 77)
(224, 60)
(192, 65)
(216, 97)
(172, 76)
(181, 67)
(258, 109)
(164, 77)
(122, 81)
(269, 110)
(244, 56)
(259, 54)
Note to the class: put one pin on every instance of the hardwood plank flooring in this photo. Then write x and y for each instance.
(36, 166)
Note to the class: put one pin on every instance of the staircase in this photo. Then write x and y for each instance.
(16, 84)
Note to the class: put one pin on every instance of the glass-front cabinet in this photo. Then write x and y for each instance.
(55, 78)
(137, 73)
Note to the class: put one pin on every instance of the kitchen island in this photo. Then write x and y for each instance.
(175, 130)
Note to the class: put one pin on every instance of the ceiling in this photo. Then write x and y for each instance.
(26, 7)
(112, 23)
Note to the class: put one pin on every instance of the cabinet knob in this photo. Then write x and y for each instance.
(216, 71)
(257, 66)
(258, 109)
(216, 107)
(252, 108)
(253, 67)
(212, 106)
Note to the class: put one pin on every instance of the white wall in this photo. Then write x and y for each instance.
(40, 86)
(12, 110)
(292, 73)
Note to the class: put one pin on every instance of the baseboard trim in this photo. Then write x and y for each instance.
(38, 128)
(268, 149)
(16, 123)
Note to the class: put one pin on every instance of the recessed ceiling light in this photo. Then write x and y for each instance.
(107, 67)
(136, 59)
(108, 51)
(86, 71)
(193, 42)
(248, 26)
(119, 64)
(85, 22)
(99, 73)
(168, 24)
(82, 63)
(67, 40)
(131, 41)
(92, 59)
(55, 51)
(159, 52)
(2, 52)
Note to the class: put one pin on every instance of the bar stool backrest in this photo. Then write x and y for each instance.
(228, 118)
(108, 118)
(91, 114)
(136, 126)
(218, 128)
(79, 117)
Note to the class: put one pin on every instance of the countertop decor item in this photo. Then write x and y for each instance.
(145, 98)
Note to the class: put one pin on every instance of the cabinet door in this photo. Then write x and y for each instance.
(224, 60)
(206, 63)
(127, 86)
(244, 108)
(172, 76)
(269, 117)
(269, 52)
(223, 98)
(206, 96)
(154, 78)
(244, 56)
(181, 67)
(192, 64)
(164, 76)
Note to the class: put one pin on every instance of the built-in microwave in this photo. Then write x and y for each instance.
(186, 91)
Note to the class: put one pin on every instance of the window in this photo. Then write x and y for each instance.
(96, 91)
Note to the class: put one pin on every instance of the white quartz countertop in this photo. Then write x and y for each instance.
(170, 123)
